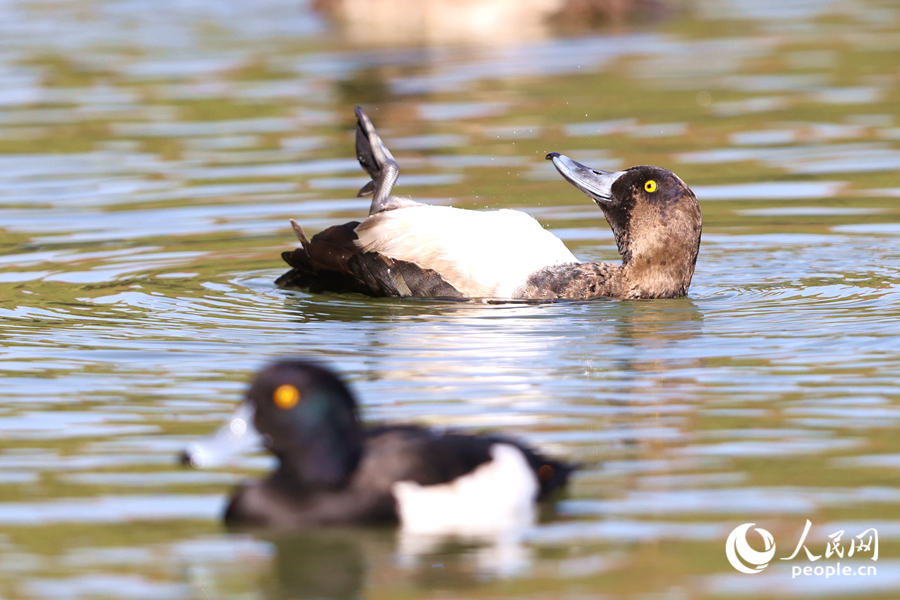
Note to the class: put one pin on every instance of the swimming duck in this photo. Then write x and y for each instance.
(406, 248)
(332, 471)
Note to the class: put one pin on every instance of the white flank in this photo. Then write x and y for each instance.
(497, 496)
(483, 254)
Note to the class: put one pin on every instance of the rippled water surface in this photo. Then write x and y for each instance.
(151, 154)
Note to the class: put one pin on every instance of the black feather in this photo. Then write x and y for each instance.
(331, 262)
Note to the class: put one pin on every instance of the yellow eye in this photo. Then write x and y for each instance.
(650, 186)
(286, 396)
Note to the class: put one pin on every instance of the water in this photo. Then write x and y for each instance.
(151, 155)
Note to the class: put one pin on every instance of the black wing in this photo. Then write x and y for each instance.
(431, 458)
(332, 262)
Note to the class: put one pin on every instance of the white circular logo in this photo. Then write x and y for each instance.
(736, 546)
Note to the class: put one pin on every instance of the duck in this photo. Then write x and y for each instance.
(333, 471)
(481, 22)
(405, 248)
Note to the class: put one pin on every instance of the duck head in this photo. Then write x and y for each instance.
(655, 219)
(302, 414)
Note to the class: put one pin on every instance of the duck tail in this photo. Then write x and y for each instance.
(332, 262)
(551, 474)
(300, 235)
(322, 264)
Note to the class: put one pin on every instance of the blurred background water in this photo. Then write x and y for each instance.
(151, 154)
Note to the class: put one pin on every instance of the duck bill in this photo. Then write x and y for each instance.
(238, 436)
(596, 184)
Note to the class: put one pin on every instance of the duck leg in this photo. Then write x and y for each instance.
(377, 161)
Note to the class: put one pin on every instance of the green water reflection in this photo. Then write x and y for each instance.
(151, 156)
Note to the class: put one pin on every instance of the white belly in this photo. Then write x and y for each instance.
(485, 254)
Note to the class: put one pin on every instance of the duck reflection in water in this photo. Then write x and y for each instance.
(311, 566)
(341, 563)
